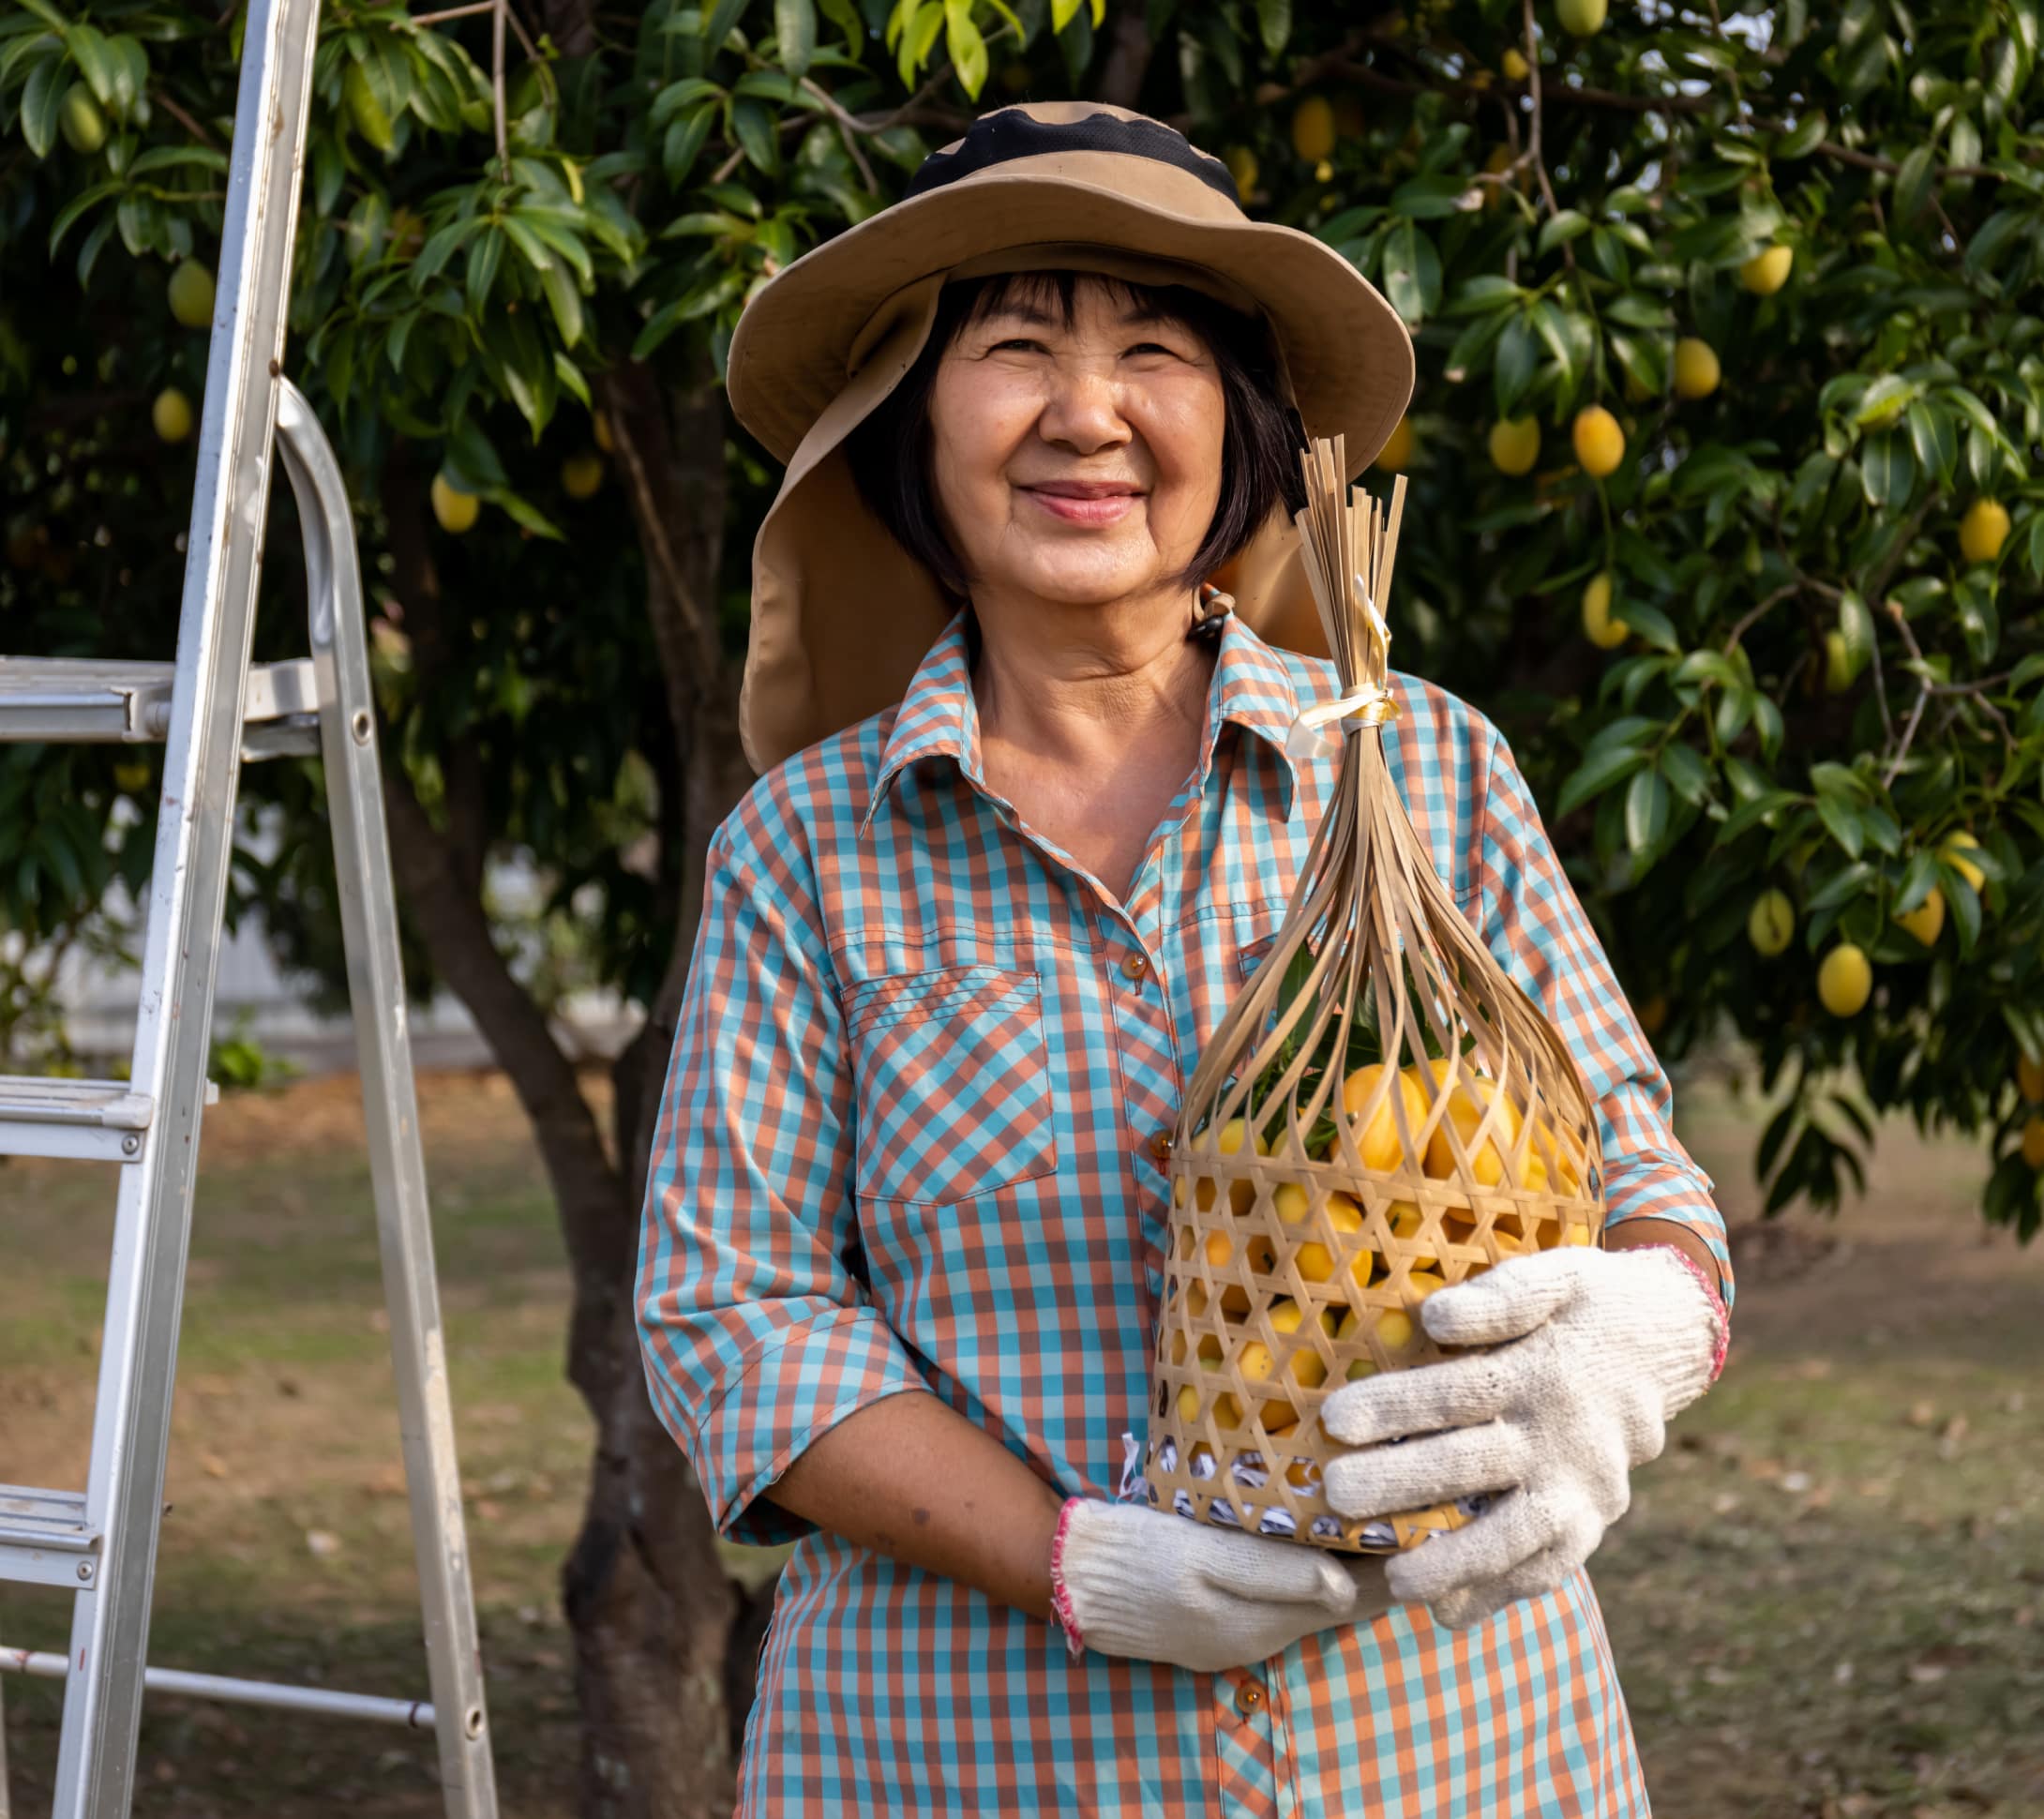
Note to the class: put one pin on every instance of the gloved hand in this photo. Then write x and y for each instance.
(1596, 1352)
(1130, 1580)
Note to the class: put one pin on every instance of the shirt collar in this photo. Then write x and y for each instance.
(1251, 686)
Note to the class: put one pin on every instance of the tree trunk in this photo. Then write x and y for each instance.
(662, 1689)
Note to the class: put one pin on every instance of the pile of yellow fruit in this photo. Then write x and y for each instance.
(1326, 1256)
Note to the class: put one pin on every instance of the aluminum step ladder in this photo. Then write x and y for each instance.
(213, 712)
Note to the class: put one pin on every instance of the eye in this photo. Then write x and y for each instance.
(1016, 340)
(1154, 347)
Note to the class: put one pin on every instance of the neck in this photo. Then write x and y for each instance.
(1086, 685)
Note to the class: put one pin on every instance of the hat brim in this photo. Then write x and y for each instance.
(1347, 353)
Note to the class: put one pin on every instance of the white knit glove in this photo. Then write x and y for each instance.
(1596, 1352)
(1130, 1580)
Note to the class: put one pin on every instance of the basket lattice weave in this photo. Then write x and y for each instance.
(1381, 1112)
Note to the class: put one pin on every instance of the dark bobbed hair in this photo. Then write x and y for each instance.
(890, 451)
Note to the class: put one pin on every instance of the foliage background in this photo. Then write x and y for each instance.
(520, 216)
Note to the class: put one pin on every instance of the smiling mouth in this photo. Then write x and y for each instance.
(1080, 503)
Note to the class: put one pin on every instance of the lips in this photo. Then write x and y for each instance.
(1084, 501)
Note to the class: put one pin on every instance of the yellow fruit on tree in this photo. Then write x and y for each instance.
(191, 295)
(1600, 444)
(2032, 1142)
(1983, 531)
(1396, 454)
(1241, 163)
(1927, 920)
(1580, 18)
(1515, 444)
(83, 126)
(1598, 626)
(581, 473)
(1837, 663)
(1767, 270)
(600, 427)
(1695, 367)
(1845, 981)
(2030, 1079)
(1770, 922)
(455, 510)
(1382, 1149)
(1313, 129)
(1954, 844)
(171, 415)
(1513, 65)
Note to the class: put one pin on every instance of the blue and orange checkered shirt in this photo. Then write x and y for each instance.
(906, 1144)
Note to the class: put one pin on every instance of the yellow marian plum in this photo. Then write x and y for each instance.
(1466, 1106)
(1379, 1140)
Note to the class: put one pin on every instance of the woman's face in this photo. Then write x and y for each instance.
(1078, 463)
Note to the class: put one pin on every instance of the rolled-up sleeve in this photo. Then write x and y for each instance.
(756, 1336)
(1535, 924)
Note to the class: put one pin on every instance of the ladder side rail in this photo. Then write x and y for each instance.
(102, 1715)
(376, 992)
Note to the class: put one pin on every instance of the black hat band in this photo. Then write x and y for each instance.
(996, 138)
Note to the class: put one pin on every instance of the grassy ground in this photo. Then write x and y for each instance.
(1826, 1600)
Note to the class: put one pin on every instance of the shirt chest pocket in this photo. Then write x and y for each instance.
(953, 1084)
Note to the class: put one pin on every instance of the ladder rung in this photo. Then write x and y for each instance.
(91, 1121)
(85, 700)
(44, 1537)
(413, 1714)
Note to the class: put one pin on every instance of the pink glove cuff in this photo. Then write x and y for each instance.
(1060, 1594)
(1721, 1316)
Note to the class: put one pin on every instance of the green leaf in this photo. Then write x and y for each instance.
(1842, 823)
(795, 33)
(1913, 183)
(565, 301)
(43, 102)
(78, 204)
(752, 125)
(965, 48)
(1687, 774)
(95, 57)
(1511, 372)
(718, 21)
(485, 258)
(1646, 810)
(1801, 139)
(1598, 774)
(1559, 229)
(1918, 877)
(1274, 24)
(1887, 470)
(684, 141)
(1936, 440)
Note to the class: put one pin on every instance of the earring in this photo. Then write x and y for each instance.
(1211, 613)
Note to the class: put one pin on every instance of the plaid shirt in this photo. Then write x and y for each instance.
(907, 1144)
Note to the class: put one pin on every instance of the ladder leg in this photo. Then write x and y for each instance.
(397, 1161)
(187, 886)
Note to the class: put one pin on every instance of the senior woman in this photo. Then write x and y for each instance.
(1025, 821)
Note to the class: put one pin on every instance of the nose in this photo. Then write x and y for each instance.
(1083, 408)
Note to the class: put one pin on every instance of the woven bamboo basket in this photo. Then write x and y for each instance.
(1381, 1112)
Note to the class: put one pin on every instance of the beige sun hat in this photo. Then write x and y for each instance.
(841, 614)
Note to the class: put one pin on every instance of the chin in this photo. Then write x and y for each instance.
(1089, 584)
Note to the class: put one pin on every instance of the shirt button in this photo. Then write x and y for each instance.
(1134, 967)
(1159, 1145)
(1248, 1697)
